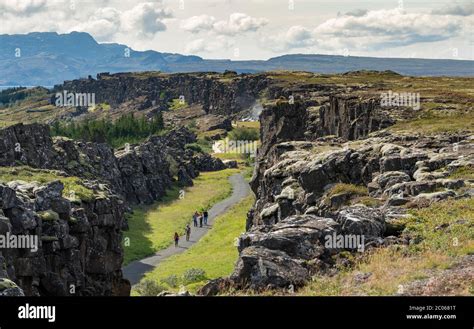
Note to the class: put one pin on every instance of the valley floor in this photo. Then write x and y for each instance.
(151, 228)
(210, 251)
(211, 257)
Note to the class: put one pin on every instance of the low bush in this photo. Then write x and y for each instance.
(149, 288)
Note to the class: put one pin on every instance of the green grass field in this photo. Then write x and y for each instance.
(152, 227)
(435, 123)
(215, 253)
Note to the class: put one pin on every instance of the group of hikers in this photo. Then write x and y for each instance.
(199, 219)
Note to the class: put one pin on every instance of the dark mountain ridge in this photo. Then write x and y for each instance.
(48, 58)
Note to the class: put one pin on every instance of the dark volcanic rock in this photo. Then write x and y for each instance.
(260, 268)
(79, 250)
(362, 220)
(351, 118)
(216, 96)
(204, 162)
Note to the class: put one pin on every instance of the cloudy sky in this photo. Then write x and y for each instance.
(259, 29)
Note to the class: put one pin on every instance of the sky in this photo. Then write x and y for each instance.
(258, 29)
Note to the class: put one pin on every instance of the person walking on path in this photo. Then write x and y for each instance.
(188, 232)
(200, 220)
(206, 216)
(176, 239)
(195, 219)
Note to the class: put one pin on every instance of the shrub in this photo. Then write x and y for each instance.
(171, 281)
(202, 145)
(194, 147)
(11, 95)
(244, 134)
(192, 125)
(149, 288)
(194, 275)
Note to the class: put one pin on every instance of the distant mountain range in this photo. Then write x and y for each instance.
(48, 58)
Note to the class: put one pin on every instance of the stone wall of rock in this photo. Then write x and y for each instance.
(351, 118)
(79, 251)
(216, 93)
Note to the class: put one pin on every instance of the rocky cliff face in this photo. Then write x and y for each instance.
(312, 188)
(351, 118)
(79, 244)
(217, 94)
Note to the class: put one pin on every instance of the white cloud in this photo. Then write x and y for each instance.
(208, 46)
(389, 28)
(216, 27)
(145, 19)
(370, 30)
(239, 23)
(356, 13)
(197, 24)
(102, 25)
(22, 7)
(235, 24)
(295, 37)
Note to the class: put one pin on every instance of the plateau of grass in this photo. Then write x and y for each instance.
(215, 253)
(248, 124)
(433, 123)
(151, 228)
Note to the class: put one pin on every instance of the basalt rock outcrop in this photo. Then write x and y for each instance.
(330, 181)
(218, 94)
(74, 249)
(351, 118)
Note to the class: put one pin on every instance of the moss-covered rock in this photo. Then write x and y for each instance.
(48, 215)
(7, 284)
(9, 288)
(47, 238)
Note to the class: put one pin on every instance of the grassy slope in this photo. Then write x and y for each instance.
(215, 253)
(433, 123)
(394, 267)
(152, 227)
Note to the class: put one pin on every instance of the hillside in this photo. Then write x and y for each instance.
(46, 59)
